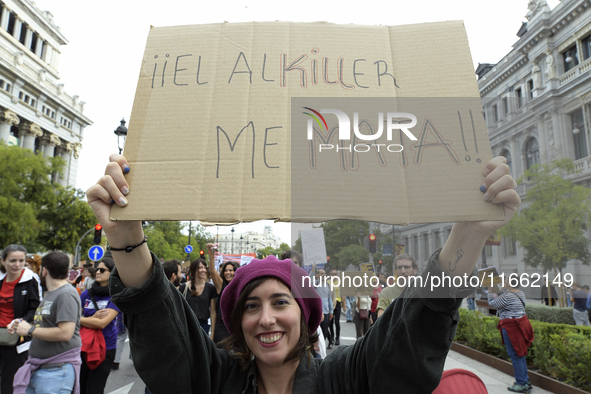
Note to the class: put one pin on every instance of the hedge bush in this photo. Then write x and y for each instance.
(560, 351)
(550, 314)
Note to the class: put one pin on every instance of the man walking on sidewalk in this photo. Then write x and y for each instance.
(54, 360)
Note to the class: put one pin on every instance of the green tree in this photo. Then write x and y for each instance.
(350, 254)
(338, 234)
(64, 220)
(167, 239)
(35, 212)
(551, 227)
(267, 251)
(283, 247)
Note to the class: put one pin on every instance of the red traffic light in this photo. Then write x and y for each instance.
(201, 253)
(372, 243)
(380, 261)
(327, 258)
(98, 227)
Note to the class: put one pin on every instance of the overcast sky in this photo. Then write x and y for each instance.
(107, 38)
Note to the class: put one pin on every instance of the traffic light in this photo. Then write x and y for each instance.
(201, 254)
(98, 233)
(372, 243)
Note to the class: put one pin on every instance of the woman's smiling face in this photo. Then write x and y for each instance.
(271, 322)
(229, 272)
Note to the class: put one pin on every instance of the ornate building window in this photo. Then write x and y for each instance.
(518, 95)
(426, 251)
(495, 114)
(530, 88)
(570, 57)
(507, 155)
(532, 153)
(509, 246)
(579, 140)
(586, 46)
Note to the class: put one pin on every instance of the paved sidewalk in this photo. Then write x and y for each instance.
(496, 381)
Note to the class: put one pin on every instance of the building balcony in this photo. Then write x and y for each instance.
(576, 71)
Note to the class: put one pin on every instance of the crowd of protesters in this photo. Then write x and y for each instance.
(98, 326)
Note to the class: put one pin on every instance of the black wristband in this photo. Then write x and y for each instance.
(130, 248)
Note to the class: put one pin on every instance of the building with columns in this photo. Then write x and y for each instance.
(247, 242)
(537, 103)
(35, 111)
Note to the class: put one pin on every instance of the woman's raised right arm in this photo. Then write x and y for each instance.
(134, 268)
(215, 276)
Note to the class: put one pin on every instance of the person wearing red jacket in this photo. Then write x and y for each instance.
(516, 331)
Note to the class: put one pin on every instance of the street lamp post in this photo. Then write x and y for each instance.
(241, 244)
(121, 131)
(232, 250)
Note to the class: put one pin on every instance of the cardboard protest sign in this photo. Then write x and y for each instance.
(313, 247)
(226, 126)
(354, 283)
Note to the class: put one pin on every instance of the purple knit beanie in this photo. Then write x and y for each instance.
(288, 273)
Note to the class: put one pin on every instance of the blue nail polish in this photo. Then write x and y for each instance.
(126, 169)
(112, 202)
(483, 188)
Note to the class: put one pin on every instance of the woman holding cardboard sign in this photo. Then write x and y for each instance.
(273, 319)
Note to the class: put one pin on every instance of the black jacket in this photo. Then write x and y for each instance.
(404, 352)
(26, 296)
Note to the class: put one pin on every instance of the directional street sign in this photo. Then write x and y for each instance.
(188, 249)
(96, 253)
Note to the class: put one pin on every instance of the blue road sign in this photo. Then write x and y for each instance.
(96, 253)
(188, 249)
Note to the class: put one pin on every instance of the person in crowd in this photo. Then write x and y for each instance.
(271, 313)
(548, 295)
(292, 255)
(121, 338)
(54, 360)
(172, 270)
(516, 331)
(579, 300)
(362, 315)
(349, 302)
(569, 293)
(228, 271)
(586, 290)
(90, 278)
(323, 290)
(405, 266)
(471, 300)
(201, 295)
(33, 263)
(375, 297)
(334, 327)
(19, 298)
(98, 313)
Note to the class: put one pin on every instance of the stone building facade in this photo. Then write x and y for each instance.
(35, 111)
(537, 104)
(247, 242)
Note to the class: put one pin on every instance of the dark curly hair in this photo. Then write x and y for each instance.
(236, 345)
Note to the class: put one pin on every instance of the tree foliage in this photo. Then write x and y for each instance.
(340, 234)
(551, 227)
(350, 254)
(35, 212)
(168, 239)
